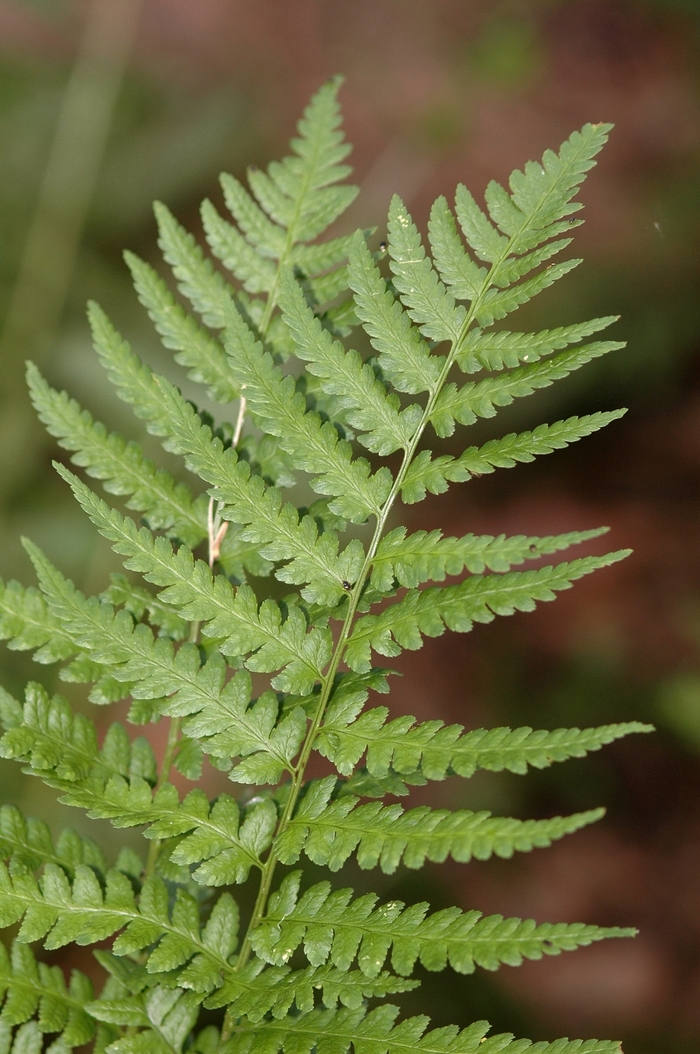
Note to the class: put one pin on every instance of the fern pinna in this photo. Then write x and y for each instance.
(181, 635)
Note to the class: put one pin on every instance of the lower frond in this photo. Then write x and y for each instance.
(376, 1032)
(166, 1015)
(27, 624)
(29, 840)
(123, 467)
(37, 994)
(82, 912)
(330, 831)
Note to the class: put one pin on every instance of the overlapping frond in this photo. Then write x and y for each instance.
(165, 1015)
(194, 347)
(257, 990)
(59, 744)
(313, 443)
(232, 618)
(29, 840)
(27, 624)
(168, 505)
(37, 998)
(376, 1032)
(368, 405)
(59, 912)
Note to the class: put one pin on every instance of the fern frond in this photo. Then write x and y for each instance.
(121, 466)
(29, 840)
(335, 928)
(232, 618)
(426, 299)
(300, 192)
(277, 531)
(116, 782)
(33, 990)
(60, 912)
(405, 358)
(330, 831)
(480, 398)
(166, 1014)
(26, 624)
(368, 405)
(426, 555)
(59, 745)
(275, 527)
(375, 1032)
(194, 347)
(200, 282)
(314, 445)
(403, 746)
(261, 233)
(256, 991)
(255, 272)
(478, 599)
(434, 474)
(481, 350)
(139, 602)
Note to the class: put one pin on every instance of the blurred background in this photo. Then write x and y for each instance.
(107, 104)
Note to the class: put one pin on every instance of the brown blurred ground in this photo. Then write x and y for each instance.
(438, 93)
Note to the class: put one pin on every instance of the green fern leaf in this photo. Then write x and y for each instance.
(29, 840)
(404, 356)
(427, 301)
(314, 445)
(375, 1032)
(257, 991)
(482, 350)
(481, 398)
(198, 281)
(27, 624)
(402, 746)
(427, 555)
(477, 599)
(166, 1014)
(273, 526)
(255, 273)
(33, 990)
(368, 405)
(335, 928)
(58, 744)
(233, 619)
(329, 832)
(196, 349)
(168, 505)
(434, 474)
